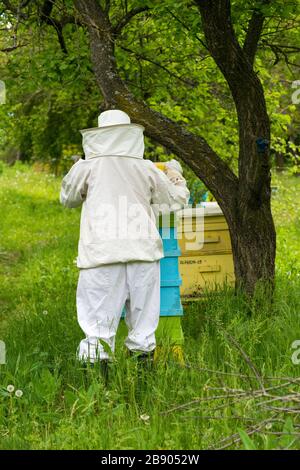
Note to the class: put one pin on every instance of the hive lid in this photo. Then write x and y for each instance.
(206, 208)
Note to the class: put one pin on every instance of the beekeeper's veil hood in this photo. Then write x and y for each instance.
(115, 136)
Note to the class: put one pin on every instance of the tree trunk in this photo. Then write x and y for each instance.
(253, 241)
(251, 224)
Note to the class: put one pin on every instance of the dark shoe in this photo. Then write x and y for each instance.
(103, 368)
(144, 359)
(144, 368)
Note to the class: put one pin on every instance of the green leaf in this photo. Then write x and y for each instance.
(246, 440)
(106, 347)
(288, 428)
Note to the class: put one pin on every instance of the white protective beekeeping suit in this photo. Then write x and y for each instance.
(119, 245)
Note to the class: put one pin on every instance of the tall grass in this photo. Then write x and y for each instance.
(231, 346)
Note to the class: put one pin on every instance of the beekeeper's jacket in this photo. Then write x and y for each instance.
(117, 188)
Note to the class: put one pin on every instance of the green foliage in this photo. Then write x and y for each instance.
(247, 441)
(162, 57)
(50, 99)
(268, 441)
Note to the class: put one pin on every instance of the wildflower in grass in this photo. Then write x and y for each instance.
(145, 418)
(19, 393)
(45, 312)
(10, 388)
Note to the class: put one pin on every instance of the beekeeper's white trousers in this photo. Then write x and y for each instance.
(101, 295)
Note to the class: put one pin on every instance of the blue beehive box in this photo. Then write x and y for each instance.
(170, 280)
(170, 304)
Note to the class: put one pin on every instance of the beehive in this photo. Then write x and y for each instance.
(169, 332)
(205, 264)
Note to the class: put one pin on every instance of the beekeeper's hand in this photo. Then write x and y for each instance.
(173, 170)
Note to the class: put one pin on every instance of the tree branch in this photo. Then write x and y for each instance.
(12, 48)
(126, 19)
(186, 27)
(25, 3)
(186, 81)
(253, 35)
(193, 149)
(15, 10)
(248, 95)
(45, 16)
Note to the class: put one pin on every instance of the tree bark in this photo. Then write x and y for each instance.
(252, 231)
(254, 246)
(245, 200)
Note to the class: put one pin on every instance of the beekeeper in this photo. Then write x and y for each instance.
(119, 245)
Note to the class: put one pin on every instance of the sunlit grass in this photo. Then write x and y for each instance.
(65, 407)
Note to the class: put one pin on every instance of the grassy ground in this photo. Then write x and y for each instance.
(220, 397)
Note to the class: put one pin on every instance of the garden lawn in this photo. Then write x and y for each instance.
(235, 389)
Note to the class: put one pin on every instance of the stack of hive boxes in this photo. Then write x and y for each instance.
(169, 334)
(170, 281)
(210, 264)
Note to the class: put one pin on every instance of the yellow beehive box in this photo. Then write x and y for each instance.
(206, 261)
(205, 273)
